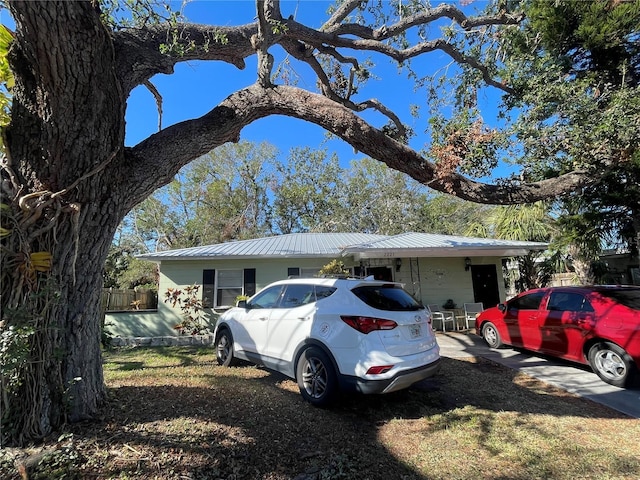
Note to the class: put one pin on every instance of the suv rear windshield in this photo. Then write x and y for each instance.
(387, 297)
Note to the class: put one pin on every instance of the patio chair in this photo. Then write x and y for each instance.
(443, 317)
(470, 312)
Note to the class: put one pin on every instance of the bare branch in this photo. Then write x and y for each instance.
(447, 10)
(325, 42)
(156, 94)
(340, 14)
(430, 15)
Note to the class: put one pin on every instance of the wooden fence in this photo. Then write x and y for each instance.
(115, 300)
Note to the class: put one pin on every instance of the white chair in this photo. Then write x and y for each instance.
(470, 312)
(443, 317)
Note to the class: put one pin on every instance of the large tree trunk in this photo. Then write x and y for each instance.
(67, 125)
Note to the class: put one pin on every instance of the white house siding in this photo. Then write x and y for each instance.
(432, 266)
(181, 274)
(444, 279)
(436, 280)
(430, 280)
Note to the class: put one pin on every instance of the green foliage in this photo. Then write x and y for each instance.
(194, 319)
(219, 197)
(334, 267)
(123, 270)
(532, 223)
(307, 191)
(14, 354)
(571, 101)
(239, 298)
(106, 337)
(118, 14)
(594, 36)
(241, 191)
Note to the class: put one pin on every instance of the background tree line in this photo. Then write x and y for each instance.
(244, 190)
(241, 191)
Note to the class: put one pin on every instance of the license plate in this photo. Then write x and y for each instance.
(415, 331)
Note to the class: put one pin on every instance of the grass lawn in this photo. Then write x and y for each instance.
(175, 414)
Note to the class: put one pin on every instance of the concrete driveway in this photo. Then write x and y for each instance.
(576, 379)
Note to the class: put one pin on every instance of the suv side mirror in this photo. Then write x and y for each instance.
(242, 304)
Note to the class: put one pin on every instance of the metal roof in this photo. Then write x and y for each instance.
(414, 244)
(328, 245)
(358, 245)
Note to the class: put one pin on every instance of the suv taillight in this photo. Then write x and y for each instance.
(368, 324)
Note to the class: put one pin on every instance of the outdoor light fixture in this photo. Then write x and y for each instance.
(467, 263)
(398, 264)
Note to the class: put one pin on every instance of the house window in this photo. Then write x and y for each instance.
(309, 272)
(222, 289)
(230, 283)
(295, 272)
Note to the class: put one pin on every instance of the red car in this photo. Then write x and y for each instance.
(596, 325)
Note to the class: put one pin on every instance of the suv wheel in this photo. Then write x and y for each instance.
(612, 364)
(224, 348)
(316, 377)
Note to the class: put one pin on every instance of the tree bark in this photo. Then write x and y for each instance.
(67, 128)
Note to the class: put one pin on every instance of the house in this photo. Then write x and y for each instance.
(434, 268)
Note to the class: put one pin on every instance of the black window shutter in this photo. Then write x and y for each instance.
(249, 281)
(208, 290)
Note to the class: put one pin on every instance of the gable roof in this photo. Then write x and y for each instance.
(358, 245)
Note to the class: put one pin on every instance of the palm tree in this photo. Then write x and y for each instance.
(523, 223)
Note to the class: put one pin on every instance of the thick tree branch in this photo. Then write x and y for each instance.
(170, 149)
(143, 53)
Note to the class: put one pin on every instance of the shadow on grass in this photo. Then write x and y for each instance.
(246, 422)
(249, 423)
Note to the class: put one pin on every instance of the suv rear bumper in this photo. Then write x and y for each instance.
(400, 381)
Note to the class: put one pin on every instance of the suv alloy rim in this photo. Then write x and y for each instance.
(315, 377)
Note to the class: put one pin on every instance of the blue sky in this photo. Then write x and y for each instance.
(196, 87)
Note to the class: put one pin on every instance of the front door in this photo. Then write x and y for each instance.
(485, 285)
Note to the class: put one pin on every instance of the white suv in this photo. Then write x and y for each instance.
(332, 334)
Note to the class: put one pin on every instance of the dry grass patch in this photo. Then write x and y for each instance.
(174, 414)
